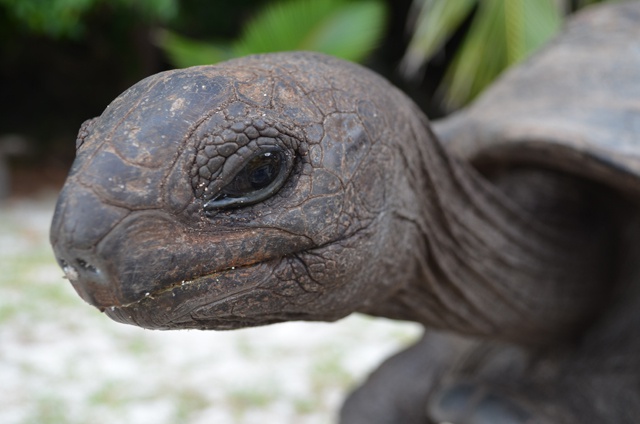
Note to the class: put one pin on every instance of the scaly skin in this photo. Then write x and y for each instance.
(373, 215)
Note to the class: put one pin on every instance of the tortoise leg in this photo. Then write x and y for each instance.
(594, 384)
(593, 380)
(469, 403)
(496, 383)
(443, 379)
(454, 380)
(396, 391)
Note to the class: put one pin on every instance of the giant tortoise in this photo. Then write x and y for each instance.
(295, 186)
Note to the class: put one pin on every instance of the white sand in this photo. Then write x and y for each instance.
(61, 361)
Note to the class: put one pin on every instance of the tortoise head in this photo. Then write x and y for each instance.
(234, 195)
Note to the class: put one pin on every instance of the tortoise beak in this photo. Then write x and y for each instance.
(79, 222)
(115, 257)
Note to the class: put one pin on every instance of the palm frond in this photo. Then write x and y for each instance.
(437, 21)
(502, 33)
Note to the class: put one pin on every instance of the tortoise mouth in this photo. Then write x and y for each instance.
(150, 255)
(238, 297)
(172, 306)
(174, 288)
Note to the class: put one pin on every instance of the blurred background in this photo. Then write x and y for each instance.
(63, 61)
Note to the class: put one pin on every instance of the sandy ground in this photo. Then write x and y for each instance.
(61, 361)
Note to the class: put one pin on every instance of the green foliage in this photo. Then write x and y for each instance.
(64, 18)
(437, 21)
(347, 29)
(184, 51)
(501, 33)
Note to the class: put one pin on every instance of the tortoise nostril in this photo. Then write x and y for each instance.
(75, 272)
(69, 272)
(86, 265)
(87, 275)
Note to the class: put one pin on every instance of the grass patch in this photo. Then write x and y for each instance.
(304, 406)
(110, 394)
(49, 410)
(242, 400)
(189, 402)
(329, 372)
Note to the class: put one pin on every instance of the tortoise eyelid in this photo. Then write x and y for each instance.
(242, 191)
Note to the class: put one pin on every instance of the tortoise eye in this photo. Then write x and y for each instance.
(261, 177)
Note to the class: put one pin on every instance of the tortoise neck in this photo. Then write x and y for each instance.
(483, 266)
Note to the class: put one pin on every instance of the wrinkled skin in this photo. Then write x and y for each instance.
(130, 219)
(531, 265)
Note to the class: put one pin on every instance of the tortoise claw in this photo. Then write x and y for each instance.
(467, 403)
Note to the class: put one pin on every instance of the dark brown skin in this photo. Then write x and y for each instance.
(362, 210)
(373, 217)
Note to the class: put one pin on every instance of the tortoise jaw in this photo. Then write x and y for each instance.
(173, 289)
(174, 303)
(143, 256)
(223, 300)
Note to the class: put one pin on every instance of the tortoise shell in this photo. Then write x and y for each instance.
(574, 106)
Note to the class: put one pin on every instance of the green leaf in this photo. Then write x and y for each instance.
(56, 18)
(437, 21)
(543, 21)
(338, 27)
(473, 54)
(184, 52)
(529, 24)
(502, 33)
(342, 28)
(351, 33)
(162, 10)
(66, 18)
